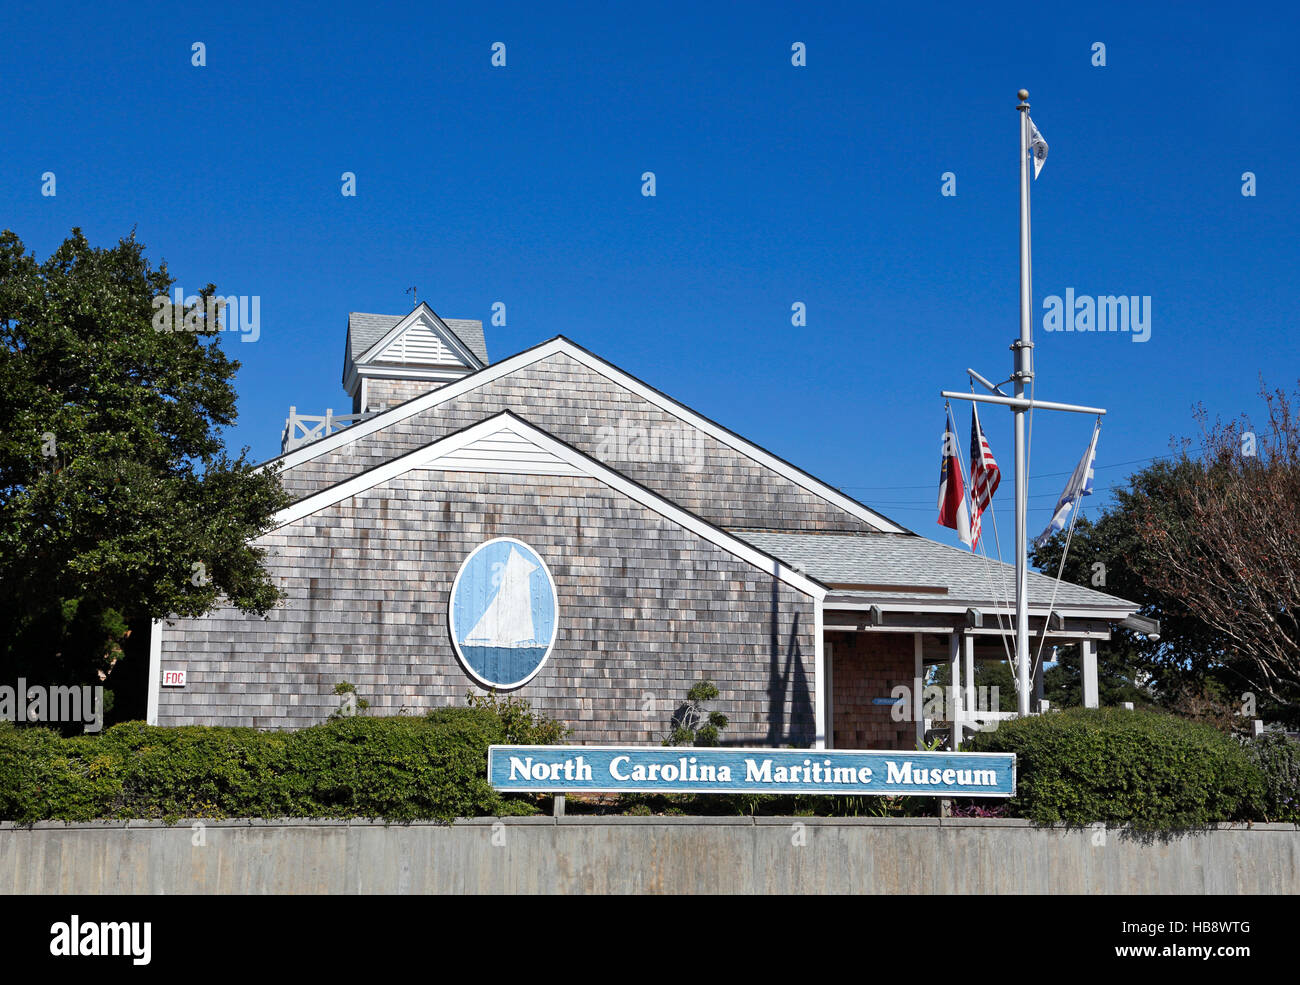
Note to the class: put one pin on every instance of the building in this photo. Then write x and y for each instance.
(554, 526)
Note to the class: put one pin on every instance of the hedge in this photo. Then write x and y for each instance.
(1146, 769)
(1278, 758)
(398, 769)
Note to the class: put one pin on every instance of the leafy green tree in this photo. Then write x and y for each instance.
(1063, 682)
(988, 674)
(1111, 556)
(118, 501)
(1120, 677)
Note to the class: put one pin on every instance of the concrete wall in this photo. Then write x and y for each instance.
(642, 855)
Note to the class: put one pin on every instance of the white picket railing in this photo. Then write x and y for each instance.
(301, 429)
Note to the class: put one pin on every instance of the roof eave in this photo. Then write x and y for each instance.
(843, 602)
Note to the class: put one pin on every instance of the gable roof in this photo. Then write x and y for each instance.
(506, 443)
(914, 563)
(366, 330)
(562, 345)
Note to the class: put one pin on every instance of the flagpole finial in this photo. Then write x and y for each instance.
(1023, 96)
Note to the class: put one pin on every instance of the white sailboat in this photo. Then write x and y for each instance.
(508, 620)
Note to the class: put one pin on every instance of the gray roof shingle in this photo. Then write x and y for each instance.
(912, 560)
(364, 330)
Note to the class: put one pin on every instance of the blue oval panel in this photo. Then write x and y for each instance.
(503, 613)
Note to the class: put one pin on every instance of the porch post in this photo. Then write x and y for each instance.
(1088, 651)
(821, 693)
(970, 674)
(918, 689)
(828, 660)
(955, 692)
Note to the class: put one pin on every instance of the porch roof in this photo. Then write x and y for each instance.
(877, 567)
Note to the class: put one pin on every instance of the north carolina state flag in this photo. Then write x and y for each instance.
(952, 492)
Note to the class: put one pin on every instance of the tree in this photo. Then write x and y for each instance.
(1120, 676)
(1230, 547)
(118, 501)
(1136, 547)
(988, 674)
(1110, 556)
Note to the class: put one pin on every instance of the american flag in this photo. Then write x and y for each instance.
(984, 474)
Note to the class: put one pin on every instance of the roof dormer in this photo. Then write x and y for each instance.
(390, 359)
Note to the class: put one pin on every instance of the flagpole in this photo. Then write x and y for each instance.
(1021, 404)
(1022, 365)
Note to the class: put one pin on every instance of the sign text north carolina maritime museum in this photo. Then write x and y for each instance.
(694, 769)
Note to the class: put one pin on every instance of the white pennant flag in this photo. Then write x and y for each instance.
(1037, 146)
(1080, 485)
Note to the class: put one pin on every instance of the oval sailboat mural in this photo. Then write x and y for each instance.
(503, 613)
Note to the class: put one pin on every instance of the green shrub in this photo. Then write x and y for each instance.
(397, 769)
(38, 769)
(198, 771)
(1278, 758)
(519, 724)
(1150, 770)
(693, 724)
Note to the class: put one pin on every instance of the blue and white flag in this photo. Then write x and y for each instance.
(1037, 146)
(1080, 485)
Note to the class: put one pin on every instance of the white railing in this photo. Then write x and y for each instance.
(301, 429)
(974, 721)
(984, 721)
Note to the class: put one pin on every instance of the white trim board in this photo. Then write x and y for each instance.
(434, 375)
(990, 610)
(822, 738)
(563, 346)
(422, 312)
(155, 671)
(506, 443)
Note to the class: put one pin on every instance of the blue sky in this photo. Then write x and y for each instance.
(775, 184)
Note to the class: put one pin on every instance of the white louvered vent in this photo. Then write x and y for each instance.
(420, 345)
(504, 451)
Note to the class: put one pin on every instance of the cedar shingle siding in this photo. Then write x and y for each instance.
(386, 394)
(865, 667)
(647, 608)
(601, 418)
